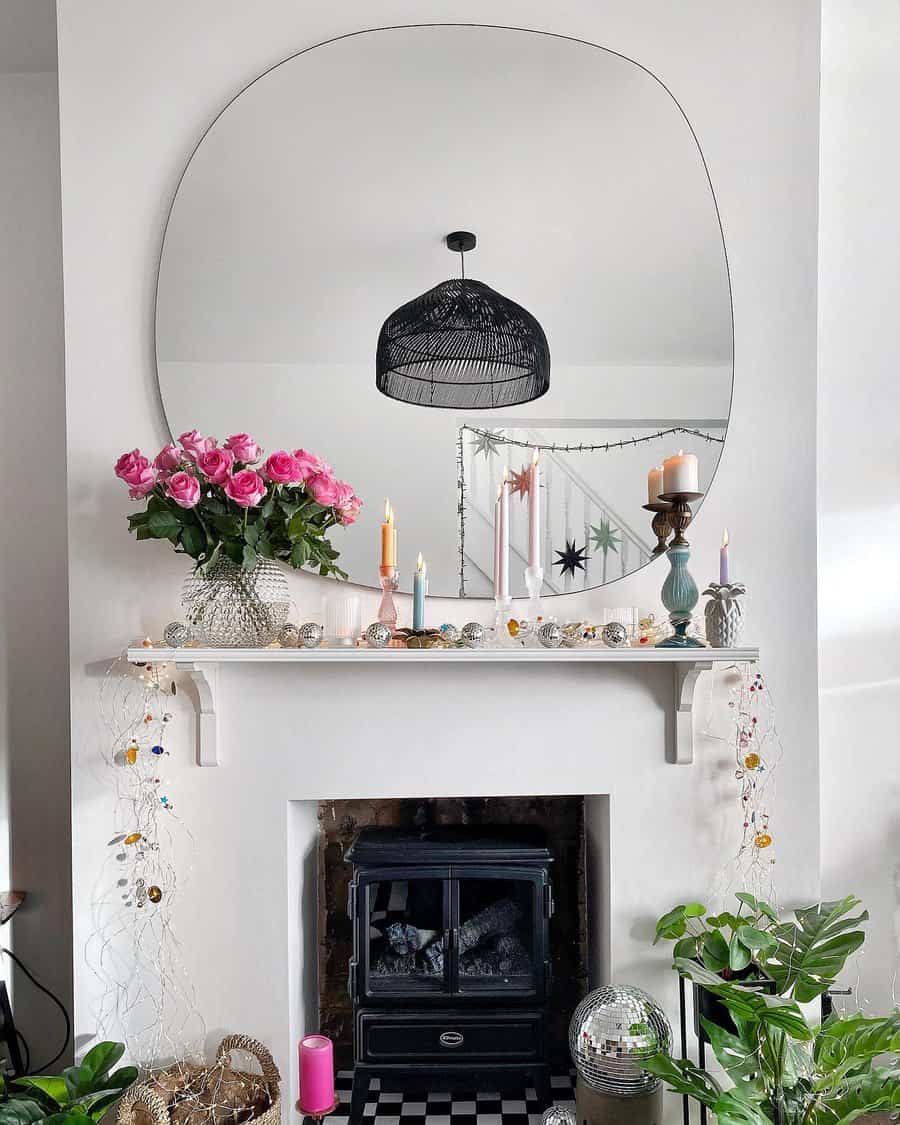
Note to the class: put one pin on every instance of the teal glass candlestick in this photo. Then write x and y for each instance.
(679, 592)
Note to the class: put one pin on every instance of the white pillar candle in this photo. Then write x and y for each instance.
(497, 543)
(534, 512)
(681, 473)
(504, 535)
(654, 484)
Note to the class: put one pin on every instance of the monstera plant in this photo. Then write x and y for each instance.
(782, 1069)
(80, 1095)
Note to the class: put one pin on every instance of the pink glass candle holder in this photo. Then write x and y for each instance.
(316, 1076)
(387, 611)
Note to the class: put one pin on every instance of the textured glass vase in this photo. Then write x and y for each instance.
(235, 608)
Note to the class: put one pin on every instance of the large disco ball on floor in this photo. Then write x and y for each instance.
(612, 1030)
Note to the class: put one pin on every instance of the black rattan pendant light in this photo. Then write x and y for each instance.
(462, 346)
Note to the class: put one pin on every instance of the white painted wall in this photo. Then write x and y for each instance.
(859, 483)
(138, 85)
(34, 689)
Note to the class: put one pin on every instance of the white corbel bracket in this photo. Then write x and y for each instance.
(680, 736)
(205, 680)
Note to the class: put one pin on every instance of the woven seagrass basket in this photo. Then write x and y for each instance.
(151, 1103)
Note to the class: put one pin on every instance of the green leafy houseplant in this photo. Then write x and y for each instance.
(725, 943)
(782, 1069)
(79, 1095)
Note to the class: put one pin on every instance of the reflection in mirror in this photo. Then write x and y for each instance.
(319, 202)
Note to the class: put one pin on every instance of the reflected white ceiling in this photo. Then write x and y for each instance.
(319, 201)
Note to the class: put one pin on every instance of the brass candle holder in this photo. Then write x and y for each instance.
(680, 514)
(662, 528)
(679, 592)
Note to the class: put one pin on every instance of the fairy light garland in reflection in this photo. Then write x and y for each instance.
(147, 999)
(486, 442)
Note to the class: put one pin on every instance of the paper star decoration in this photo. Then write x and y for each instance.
(571, 558)
(604, 539)
(487, 442)
(520, 482)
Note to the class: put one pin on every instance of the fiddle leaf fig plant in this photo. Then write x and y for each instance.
(782, 1069)
(80, 1095)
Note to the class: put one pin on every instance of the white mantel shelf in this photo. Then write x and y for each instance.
(202, 665)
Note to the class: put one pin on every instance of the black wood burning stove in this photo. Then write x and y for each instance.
(450, 975)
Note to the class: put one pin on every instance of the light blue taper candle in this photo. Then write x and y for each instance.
(420, 589)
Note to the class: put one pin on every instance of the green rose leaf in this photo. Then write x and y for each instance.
(164, 524)
(193, 540)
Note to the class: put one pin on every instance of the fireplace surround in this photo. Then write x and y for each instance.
(451, 972)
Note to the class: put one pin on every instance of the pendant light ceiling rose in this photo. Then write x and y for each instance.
(461, 241)
(462, 346)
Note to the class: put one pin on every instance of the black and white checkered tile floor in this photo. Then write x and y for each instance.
(442, 1108)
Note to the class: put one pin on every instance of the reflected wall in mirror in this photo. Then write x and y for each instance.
(318, 203)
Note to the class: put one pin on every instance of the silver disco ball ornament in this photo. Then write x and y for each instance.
(550, 634)
(473, 635)
(289, 637)
(377, 635)
(558, 1115)
(614, 635)
(311, 634)
(613, 1029)
(177, 634)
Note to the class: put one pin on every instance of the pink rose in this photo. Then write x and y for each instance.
(134, 469)
(348, 504)
(243, 447)
(193, 444)
(245, 488)
(130, 465)
(282, 468)
(215, 464)
(184, 488)
(308, 464)
(324, 488)
(168, 459)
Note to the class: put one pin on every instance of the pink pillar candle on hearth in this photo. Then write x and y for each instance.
(316, 1074)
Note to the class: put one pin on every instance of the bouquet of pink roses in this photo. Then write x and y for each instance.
(210, 500)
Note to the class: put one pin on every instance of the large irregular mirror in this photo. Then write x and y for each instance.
(304, 261)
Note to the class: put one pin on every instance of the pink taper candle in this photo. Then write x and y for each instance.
(316, 1075)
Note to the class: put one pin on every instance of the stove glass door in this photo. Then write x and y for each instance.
(496, 933)
(408, 923)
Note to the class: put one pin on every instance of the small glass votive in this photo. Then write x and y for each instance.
(343, 621)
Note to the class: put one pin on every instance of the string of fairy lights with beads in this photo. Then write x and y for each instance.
(757, 751)
(486, 443)
(146, 998)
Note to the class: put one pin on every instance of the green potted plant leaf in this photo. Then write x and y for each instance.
(734, 946)
(80, 1094)
(784, 1071)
